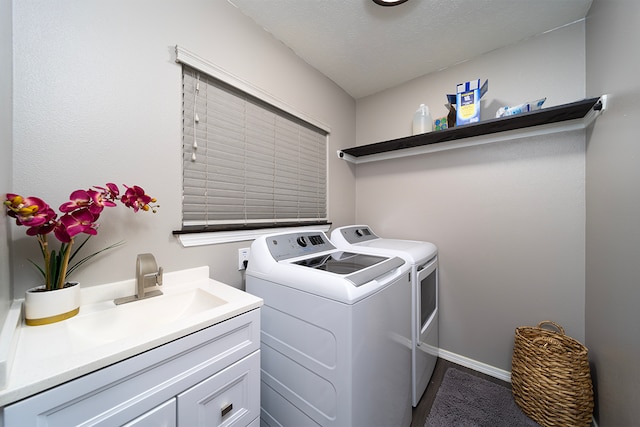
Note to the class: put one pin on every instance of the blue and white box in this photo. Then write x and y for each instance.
(468, 97)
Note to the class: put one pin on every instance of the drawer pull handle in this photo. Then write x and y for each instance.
(226, 409)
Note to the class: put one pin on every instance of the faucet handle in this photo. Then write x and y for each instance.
(159, 277)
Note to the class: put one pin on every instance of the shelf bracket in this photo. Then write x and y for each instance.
(599, 108)
(349, 158)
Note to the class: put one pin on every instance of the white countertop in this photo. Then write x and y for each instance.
(35, 358)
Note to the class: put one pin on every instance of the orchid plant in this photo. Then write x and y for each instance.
(79, 216)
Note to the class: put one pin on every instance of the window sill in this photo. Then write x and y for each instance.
(216, 237)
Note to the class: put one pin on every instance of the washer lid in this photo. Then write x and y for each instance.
(356, 268)
(361, 238)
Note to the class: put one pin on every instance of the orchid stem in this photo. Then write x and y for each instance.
(44, 246)
(65, 265)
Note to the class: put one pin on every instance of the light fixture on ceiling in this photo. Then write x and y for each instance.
(389, 2)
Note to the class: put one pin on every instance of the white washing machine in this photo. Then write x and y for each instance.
(423, 258)
(335, 333)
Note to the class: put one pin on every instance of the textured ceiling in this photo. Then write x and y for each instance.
(366, 48)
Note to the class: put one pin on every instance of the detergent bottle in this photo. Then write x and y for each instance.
(422, 120)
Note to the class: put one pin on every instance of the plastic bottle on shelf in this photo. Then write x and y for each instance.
(422, 120)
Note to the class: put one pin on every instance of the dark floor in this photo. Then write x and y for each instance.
(421, 411)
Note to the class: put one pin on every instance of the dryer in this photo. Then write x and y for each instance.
(423, 258)
(335, 333)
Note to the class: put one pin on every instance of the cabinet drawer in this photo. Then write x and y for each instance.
(229, 398)
(161, 416)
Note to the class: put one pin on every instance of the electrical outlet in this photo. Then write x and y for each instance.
(243, 258)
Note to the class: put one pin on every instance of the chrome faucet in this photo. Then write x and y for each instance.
(147, 275)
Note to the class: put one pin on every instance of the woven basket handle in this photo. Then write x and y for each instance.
(546, 342)
(554, 324)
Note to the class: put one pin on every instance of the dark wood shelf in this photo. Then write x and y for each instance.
(545, 116)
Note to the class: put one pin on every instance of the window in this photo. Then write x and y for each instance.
(247, 164)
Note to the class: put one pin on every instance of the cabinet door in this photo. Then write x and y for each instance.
(161, 416)
(231, 397)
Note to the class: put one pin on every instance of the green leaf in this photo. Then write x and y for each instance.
(75, 251)
(89, 257)
(54, 262)
(44, 275)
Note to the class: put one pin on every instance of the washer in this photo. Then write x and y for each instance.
(335, 333)
(423, 258)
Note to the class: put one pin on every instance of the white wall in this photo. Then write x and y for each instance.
(509, 217)
(6, 138)
(613, 212)
(98, 99)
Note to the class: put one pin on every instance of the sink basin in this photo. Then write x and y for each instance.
(121, 321)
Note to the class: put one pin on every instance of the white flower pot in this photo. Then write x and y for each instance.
(45, 307)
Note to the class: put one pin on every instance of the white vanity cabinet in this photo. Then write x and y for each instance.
(210, 377)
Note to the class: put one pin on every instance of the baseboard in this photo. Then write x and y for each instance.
(492, 371)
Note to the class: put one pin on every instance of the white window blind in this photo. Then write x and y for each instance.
(247, 163)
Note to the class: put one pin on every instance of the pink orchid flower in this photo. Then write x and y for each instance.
(136, 199)
(49, 223)
(80, 221)
(29, 211)
(78, 199)
(111, 192)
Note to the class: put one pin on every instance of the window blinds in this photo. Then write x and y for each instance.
(246, 162)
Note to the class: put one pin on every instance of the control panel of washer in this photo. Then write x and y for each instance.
(286, 246)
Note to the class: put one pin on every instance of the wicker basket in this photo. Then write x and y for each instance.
(550, 377)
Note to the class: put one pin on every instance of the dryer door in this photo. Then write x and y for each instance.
(427, 300)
